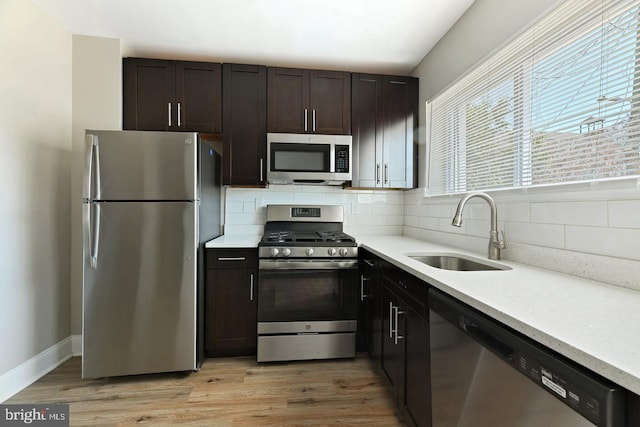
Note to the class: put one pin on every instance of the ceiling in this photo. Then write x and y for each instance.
(377, 36)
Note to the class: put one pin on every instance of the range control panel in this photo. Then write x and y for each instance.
(305, 212)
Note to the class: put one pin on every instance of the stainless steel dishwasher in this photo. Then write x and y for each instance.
(484, 374)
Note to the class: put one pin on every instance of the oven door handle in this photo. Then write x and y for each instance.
(266, 264)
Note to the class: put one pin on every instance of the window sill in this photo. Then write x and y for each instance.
(612, 189)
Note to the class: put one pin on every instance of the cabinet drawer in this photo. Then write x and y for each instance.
(232, 258)
(407, 286)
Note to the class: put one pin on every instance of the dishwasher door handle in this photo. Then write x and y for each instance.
(486, 339)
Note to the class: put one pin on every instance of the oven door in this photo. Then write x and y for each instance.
(307, 290)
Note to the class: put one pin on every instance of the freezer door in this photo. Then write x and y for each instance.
(134, 165)
(139, 288)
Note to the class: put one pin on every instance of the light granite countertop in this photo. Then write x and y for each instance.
(234, 241)
(594, 324)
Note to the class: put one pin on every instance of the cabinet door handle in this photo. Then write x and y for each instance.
(305, 120)
(377, 173)
(261, 170)
(251, 287)
(232, 258)
(362, 294)
(179, 114)
(386, 173)
(370, 263)
(390, 319)
(169, 107)
(313, 119)
(397, 337)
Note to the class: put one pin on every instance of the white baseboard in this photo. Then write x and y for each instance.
(38, 366)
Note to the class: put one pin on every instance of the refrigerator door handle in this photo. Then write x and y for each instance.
(88, 166)
(94, 235)
(96, 150)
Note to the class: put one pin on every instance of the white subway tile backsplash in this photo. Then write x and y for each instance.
(444, 224)
(249, 206)
(234, 207)
(310, 198)
(428, 222)
(379, 212)
(442, 211)
(478, 227)
(616, 242)
(548, 231)
(254, 218)
(249, 230)
(624, 213)
(548, 235)
(397, 220)
(573, 213)
(412, 221)
(517, 212)
(363, 209)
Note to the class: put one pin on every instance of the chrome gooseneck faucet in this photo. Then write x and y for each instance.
(495, 244)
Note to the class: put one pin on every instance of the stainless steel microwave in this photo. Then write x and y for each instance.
(308, 159)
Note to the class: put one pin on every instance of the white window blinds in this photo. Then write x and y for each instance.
(559, 104)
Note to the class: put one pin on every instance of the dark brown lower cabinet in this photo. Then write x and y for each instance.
(231, 302)
(404, 354)
(369, 327)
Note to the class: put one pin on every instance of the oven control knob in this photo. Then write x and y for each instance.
(332, 251)
(308, 251)
(286, 252)
(274, 252)
(344, 251)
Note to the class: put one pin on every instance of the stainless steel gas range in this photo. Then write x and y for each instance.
(308, 287)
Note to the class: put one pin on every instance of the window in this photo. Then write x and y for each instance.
(559, 104)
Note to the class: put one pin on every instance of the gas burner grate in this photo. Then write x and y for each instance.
(335, 236)
(279, 236)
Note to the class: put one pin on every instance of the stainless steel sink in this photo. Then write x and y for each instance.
(457, 262)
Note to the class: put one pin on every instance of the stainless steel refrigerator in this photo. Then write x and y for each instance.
(151, 200)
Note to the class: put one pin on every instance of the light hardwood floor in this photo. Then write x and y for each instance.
(226, 392)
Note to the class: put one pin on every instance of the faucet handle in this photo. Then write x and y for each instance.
(502, 243)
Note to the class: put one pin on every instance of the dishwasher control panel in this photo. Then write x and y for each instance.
(573, 395)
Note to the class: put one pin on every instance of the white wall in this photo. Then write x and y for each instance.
(485, 26)
(590, 231)
(97, 104)
(35, 147)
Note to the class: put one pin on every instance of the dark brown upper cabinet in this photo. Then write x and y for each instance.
(309, 101)
(245, 124)
(172, 95)
(385, 122)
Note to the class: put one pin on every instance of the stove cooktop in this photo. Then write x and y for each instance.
(307, 238)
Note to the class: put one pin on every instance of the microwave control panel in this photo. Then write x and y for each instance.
(342, 159)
